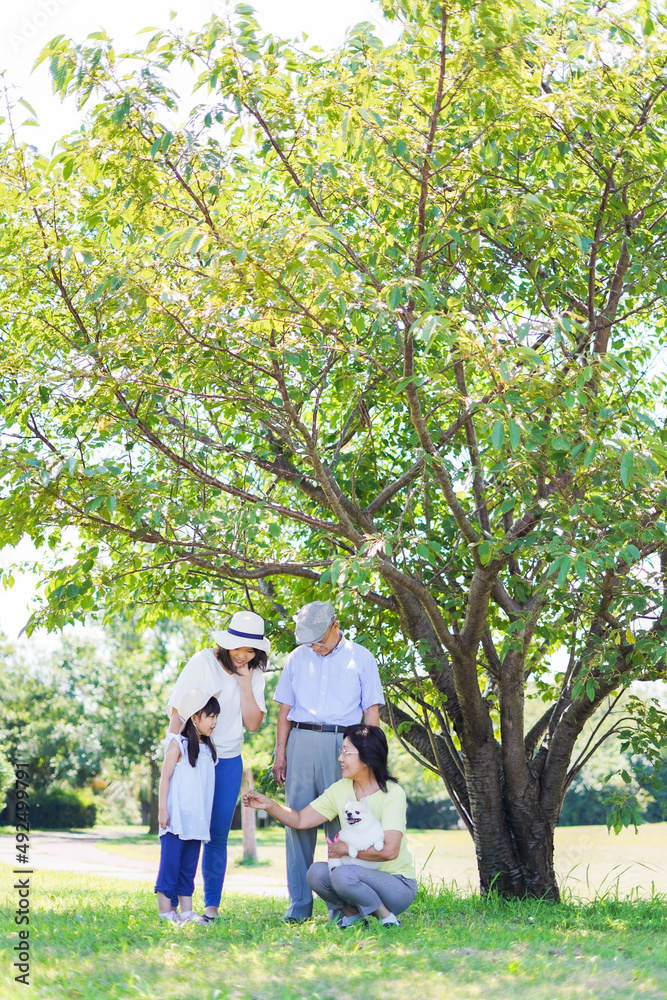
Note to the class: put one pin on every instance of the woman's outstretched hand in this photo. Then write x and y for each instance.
(253, 799)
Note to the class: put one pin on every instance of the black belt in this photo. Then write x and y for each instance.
(318, 727)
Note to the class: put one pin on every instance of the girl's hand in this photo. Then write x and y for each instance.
(163, 818)
(243, 671)
(255, 800)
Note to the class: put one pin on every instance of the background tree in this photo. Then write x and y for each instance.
(124, 681)
(44, 727)
(382, 324)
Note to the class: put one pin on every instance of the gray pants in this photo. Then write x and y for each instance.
(312, 765)
(365, 888)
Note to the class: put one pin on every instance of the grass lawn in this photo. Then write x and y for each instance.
(95, 938)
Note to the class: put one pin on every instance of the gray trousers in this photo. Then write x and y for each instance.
(365, 888)
(312, 765)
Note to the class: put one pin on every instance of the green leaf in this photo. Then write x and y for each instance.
(564, 570)
(484, 551)
(514, 434)
(498, 434)
(590, 454)
(580, 568)
(394, 297)
(404, 382)
(30, 108)
(627, 466)
(528, 354)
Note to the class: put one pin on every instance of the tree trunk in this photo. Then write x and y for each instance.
(248, 822)
(512, 832)
(11, 807)
(514, 842)
(154, 801)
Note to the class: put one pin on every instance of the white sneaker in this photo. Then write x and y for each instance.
(192, 917)
(345, 922)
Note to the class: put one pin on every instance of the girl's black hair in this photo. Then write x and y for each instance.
(212, 707)
(258, 662)
(371, 743)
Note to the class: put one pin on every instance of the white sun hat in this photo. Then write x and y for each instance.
(245, 629)
(192, 702)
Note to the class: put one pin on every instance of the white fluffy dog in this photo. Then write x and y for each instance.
(360, 831)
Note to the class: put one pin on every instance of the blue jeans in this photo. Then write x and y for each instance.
(178, 865)
(228, 778)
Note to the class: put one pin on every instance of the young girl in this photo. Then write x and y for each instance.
(185, 802)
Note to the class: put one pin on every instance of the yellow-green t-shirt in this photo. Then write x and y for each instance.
(389, 807)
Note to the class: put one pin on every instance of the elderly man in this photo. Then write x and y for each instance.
(327, 683)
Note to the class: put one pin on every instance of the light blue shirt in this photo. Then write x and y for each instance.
(334, 689)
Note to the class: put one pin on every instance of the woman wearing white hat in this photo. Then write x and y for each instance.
(235, 670)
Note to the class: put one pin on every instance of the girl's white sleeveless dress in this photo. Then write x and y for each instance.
(190, 798)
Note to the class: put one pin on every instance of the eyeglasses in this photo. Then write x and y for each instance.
(346, 753)
(322, 641)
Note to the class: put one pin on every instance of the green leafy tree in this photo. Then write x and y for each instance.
(7, 778)
(124, 680)
(44, 727)
(381, 325)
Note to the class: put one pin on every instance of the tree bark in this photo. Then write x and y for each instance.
(513, 839)
(512, 832)
(248, 822)
(153, 801)
(11, 807)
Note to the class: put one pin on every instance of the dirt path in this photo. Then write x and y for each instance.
(84, 852)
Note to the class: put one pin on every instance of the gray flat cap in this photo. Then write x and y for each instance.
(312, 622)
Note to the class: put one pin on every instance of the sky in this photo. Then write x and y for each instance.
(25, 28)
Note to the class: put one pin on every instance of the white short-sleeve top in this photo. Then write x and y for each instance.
(190, 798)
(204, 671)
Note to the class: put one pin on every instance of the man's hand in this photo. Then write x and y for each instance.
(279, 769)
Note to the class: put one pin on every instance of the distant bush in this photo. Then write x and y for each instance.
(426, 814)
(584, 806)
(60, 809)
(654, 782)
(6, 778)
